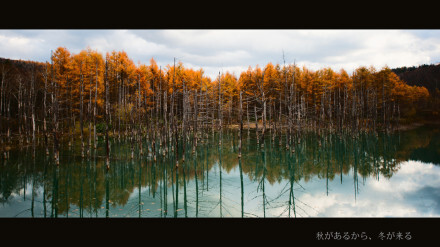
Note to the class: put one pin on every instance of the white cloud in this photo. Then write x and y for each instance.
(217, 49)
(394, 48)
(18, 46)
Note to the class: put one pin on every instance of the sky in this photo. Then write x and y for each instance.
(234, 50)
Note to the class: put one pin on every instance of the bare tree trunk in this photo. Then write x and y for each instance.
(89, 110)
(184, 121)
(173, 120)
(166, 127)
(81, 111)
(195, 117)
(3, 99)
(20, 111)
(247, 115)
(95, 140)
(153, 143)
(256, 124)
(124, 107)
(156, 136)
(219, 108)
(271, 122)
(289, 113)
(322, 110)
(107, 125)
(33, 109)
(54, 119)
(46, 144)
(279, 122)
(2, 92)
(330, 113)
(139, 116)
(131, 129)
(339, 109)
(241, 125)
(160, 107)
(353, 109)
(383, 103)
(264, 121)
(293, 102)
(9, 117)
(72, 116)
(375, 110)
(344, 110)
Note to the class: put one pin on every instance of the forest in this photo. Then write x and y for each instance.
(81, 99)
(423, 75)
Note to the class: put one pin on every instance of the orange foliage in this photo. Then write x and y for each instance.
(274, 81)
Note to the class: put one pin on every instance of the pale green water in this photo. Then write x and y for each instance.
(386, 176)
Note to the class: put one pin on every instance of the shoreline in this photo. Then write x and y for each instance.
(411, 126)
(401, 127)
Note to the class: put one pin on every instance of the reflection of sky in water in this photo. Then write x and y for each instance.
(16, 205)
(414, 191)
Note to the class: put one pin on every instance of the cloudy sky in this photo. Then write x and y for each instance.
(235, 50)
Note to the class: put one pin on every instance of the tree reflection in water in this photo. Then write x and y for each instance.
(268, 181)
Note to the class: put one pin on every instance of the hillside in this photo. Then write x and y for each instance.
(423, 75)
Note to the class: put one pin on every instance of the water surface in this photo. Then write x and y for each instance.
(395, 175)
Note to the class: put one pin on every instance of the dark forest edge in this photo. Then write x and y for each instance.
(79, 97)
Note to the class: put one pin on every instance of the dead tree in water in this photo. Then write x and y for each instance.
(90, 117)
(383, 105)
(220, 108)
(81, 111)
(54, 118)
(138, 106)
(45, 75)
(107, 125)
(195, 121)
(72, 115)
(156, 132)
(131, 129)
(95, 140)
(173, 118)
(20, 108)
(262, 101)
(184, 120)
(247, 115)
(163, 112)
(256, 124)
(241, 125)
(32, 105)
(292, 100)
(3, 94)
(287, 102)
(264, 120)
(279, 122)
(165, 127)
(154, 123)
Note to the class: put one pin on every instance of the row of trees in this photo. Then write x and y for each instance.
(77, 97)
